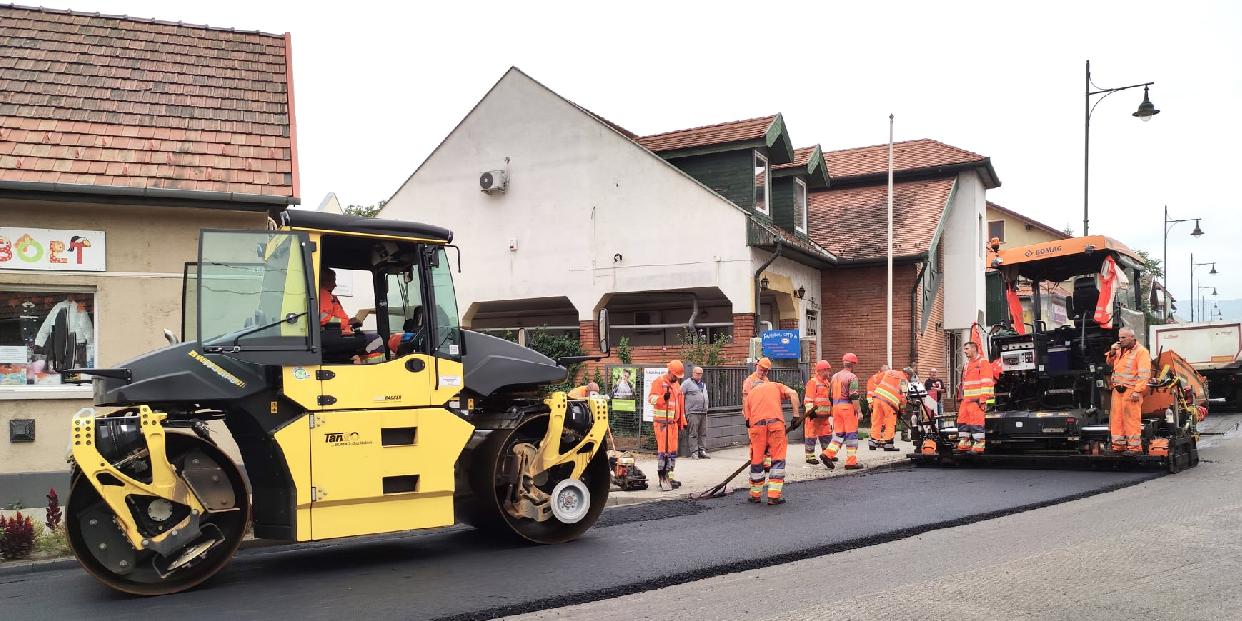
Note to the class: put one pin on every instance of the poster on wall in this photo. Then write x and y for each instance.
(623, 388)
(649, 376)
(25, 248)
(781, 344)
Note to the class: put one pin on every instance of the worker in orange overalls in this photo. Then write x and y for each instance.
(978, 396)
(869, 402)
(818, 407)
(844, 393)
(889, 399)
(670, 418)
(1131, 365)
(765, 424)
(584, 391)
(760, 375)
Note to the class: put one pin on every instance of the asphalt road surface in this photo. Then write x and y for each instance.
(1170, 548)
(461, 574)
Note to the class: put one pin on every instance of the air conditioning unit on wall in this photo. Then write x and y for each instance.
(494, 181)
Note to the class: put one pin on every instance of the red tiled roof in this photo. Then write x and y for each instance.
(800, 159)
(908, 155)
(1030, 221)
(720, 133)
(852, 223)
(95, 100)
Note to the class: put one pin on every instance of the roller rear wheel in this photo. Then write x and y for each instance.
(99, 545)
(490, 487)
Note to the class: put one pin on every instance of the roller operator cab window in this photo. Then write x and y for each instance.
(253, 291)
(447, 321)
(407, 314)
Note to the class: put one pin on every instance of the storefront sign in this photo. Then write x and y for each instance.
(781, 344)
(24, 248)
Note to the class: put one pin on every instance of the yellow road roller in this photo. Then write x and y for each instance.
(342, 431)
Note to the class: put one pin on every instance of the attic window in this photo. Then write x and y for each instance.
(800, 205)
(996, 228)
(761, 184)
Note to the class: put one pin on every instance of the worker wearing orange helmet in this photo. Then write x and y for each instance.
(765, 424)
(670, 418)
(760, 375)
(889, 398)
(1131, 365)
(844, 392)
(978, 396)
(818, 407)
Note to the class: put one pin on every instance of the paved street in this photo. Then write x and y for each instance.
(460, 574)
(1170, 548)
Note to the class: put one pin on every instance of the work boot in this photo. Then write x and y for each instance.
(664, 484)
(827, 461)
(754, 499)
(673, 482)
(703, 454)
(871, 445)
(776, 501)
(888, 446)
(852, 464)
(811, 459)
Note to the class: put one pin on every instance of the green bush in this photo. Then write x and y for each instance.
(557, 346)
(698, 350)
(624, 353)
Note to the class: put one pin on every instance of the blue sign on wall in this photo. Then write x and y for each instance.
(781, 344)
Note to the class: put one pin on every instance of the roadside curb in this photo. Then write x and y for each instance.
(21, 568)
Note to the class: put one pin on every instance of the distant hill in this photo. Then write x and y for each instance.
(1230, 310)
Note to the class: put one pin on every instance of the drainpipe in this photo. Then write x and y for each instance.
(759, 273)
(694, 312)
(914, 291)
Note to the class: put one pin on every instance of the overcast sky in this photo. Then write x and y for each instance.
(378, 85)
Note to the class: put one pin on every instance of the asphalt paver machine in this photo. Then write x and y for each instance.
(1053, 388)
(339, 434)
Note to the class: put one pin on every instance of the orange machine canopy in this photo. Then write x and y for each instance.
(1063, 258)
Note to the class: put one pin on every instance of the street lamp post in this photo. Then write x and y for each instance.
(1203, 301)
(1193, 265)
(1164, 266)
(1145, 111)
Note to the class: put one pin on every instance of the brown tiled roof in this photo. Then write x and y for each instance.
(908, 155)
(800, 159)
(852, 223)
(95, 100)
(1030, 221)
(720, 133)
(787, 238)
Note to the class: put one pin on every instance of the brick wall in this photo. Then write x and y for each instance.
(743, 330)
(853, 317)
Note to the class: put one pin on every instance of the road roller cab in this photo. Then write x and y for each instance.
(343, 429)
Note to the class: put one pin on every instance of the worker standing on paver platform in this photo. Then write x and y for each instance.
(843, 390)
(670, 418)
(765, 424)
(1131, 365)
(818, 407)
(978, 396)
(889, 399)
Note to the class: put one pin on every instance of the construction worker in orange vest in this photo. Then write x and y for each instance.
(889, 398)
(1131, 365)
(584, 391)
(844, 392)
(872, 382)
(760, 375)
(670, 418)
(818, 407)
(978, 397)
(765, 424)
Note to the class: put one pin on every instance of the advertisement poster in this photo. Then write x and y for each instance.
(649, 375)
(24, 248)
(623, 392)
(781, 344)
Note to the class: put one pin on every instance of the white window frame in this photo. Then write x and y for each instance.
(54, 391)
(800, 191)
(767, 183)
(1002, 230)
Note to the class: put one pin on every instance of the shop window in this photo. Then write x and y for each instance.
(44, 332)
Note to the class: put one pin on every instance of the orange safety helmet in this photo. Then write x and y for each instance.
(763, 363)
(823, 365)
(851, 358)
(676, 368)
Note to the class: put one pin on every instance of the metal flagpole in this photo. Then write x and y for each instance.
(889, 332)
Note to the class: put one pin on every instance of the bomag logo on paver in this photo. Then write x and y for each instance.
(218, 370)
(1039, 252)
(352, 438)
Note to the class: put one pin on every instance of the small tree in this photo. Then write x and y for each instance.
(53, 510)
(624, 353)
(19, 536)
(698, 350)
(1152, 272)
(365, 211)
(598, 378)
(557, 346)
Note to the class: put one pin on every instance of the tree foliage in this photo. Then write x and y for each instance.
(698, 350)
(557, 346)
(1152, 272)
(365, 211)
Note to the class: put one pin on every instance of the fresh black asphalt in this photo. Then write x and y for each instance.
(461, 574)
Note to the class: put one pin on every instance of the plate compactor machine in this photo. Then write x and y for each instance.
(1053, 388)
(342, 431)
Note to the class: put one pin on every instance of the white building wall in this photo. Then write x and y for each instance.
(579, 195)
(964, 237)
(801, 276)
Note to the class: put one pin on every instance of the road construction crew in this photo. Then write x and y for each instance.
(889, 399)
(762, 366)
(584, 391)
(872, 382)
(843, 390)
(1131, 365)
(818, 407)
(765, 424)
(670, 418)
(977, 398)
